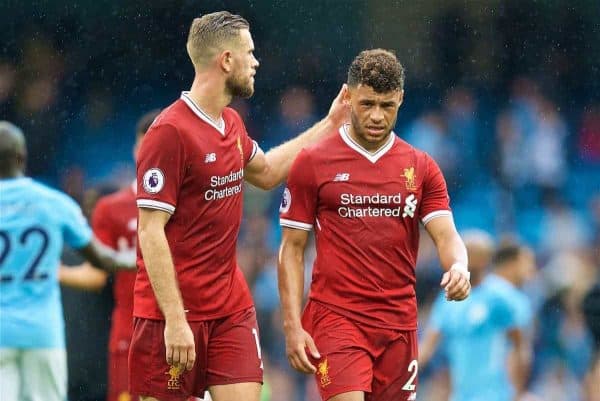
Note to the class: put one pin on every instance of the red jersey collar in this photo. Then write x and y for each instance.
(218, 125)
(371, 156)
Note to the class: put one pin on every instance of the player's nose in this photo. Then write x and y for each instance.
(376, 115)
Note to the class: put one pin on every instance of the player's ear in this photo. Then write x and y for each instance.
(401, 98)
(226, 61)
(347, 94)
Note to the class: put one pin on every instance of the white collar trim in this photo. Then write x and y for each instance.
(218, 125)
(371, 156)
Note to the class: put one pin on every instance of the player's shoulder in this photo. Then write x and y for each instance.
(44, 192)
(52, 203)
(229, 113)
(167, 126)
(406, 147)
(232, 118)
(501, 289)
(170, 116)
(325, 147)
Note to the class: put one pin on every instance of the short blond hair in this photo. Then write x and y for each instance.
(210, 32)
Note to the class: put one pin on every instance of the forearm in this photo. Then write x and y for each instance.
(106, 258)
(280, 159)
(83, 277)
(451, 250)
(521, 363)
(161, 272)
(291, 285)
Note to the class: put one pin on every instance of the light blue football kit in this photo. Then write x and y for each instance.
(35, 222)
(474, 334)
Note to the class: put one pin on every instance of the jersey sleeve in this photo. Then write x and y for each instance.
(299, 202)
(160, 168)
(250, 149)
(436, 318)
(436, 201)
(76, 230)
(101, 224)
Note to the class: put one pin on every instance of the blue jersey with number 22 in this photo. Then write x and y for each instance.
(35, 222)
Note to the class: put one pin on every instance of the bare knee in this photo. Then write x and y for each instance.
(349, 396)
(236, 392)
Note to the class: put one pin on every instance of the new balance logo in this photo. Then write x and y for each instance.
(210, 158)
(342, 177)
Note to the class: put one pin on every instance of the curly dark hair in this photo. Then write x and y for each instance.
(377, 68)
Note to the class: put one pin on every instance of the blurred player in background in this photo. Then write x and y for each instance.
(114, 222)
(591, 311)
(480, 250)
(34, 223)
(365, 191)
(487, 338)
(195, 324)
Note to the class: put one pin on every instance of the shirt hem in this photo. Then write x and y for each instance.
(195, 316)
(357, 318)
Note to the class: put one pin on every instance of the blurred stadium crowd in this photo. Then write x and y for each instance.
(520, 151)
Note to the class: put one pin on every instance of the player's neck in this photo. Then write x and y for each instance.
(368, 146)
(507, 275)
(210, 95)
(12, 173)
(476, 279)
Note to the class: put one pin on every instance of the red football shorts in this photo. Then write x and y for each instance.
(118, 372)
(357, 357)
(227, 351)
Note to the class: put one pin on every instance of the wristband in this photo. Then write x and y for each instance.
(462, 269)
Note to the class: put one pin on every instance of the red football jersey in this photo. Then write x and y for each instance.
(114, 222)
(366, 208)
(192, 167)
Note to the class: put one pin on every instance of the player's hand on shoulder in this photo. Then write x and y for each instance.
(179, 344)
(339, 112)
(456, 284)
(297, 340)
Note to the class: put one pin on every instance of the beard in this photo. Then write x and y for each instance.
(237, 86)
(362, 133)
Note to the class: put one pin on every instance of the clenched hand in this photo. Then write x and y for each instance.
(456, 284)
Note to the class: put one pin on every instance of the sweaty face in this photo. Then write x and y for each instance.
(241, 80)
(373, 114)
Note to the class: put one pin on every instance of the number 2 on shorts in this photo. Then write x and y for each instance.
(413, 367)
